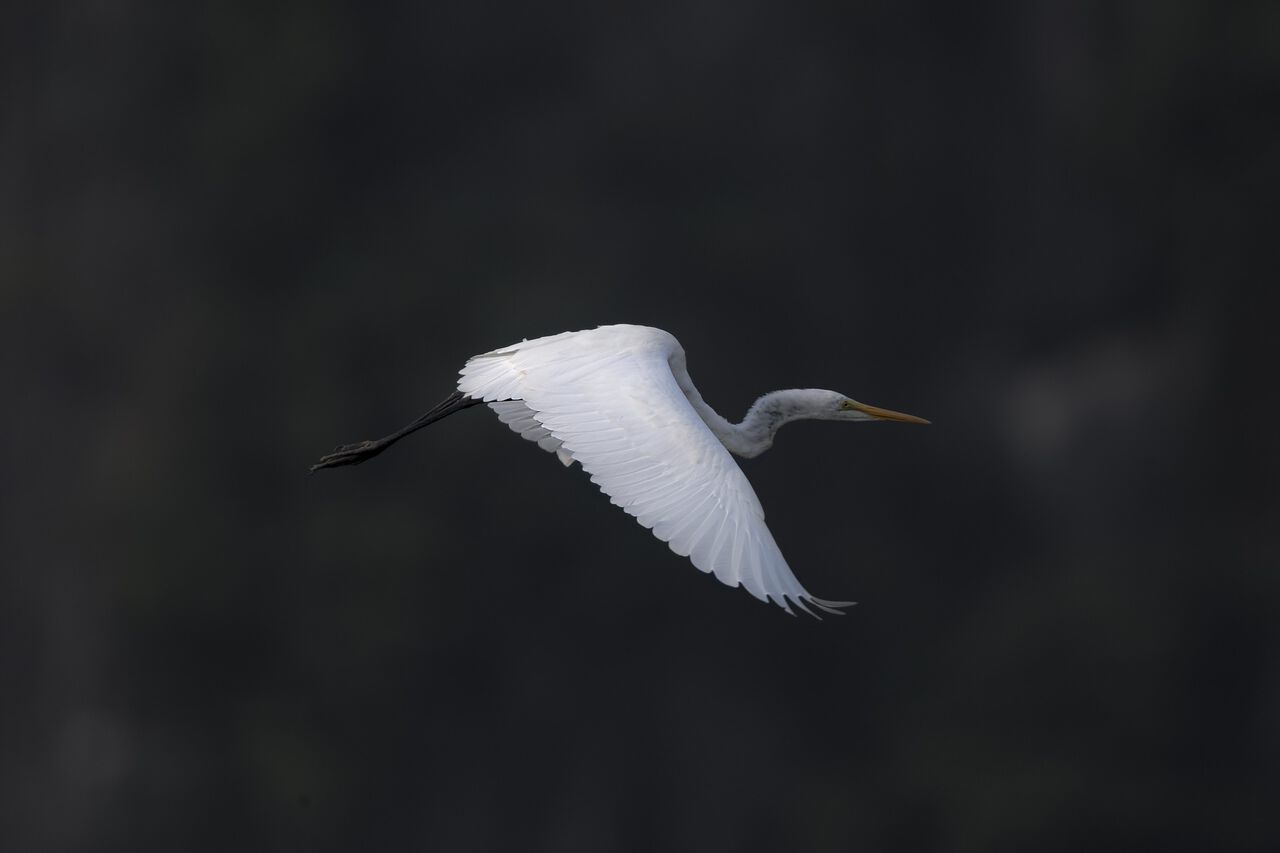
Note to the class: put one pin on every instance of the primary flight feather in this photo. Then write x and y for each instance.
(619, 401)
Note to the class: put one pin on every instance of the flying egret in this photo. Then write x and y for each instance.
(619, 401)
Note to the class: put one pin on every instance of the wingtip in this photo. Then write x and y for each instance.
(832, 607)
(804, 602)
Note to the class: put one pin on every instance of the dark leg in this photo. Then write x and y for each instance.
(354, 454)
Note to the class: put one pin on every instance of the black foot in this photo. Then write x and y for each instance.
(354, 454)
(351, 454)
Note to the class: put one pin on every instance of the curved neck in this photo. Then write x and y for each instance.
(754, 435)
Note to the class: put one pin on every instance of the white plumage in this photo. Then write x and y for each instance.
(619, 401)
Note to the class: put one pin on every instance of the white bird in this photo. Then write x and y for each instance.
(619, 401)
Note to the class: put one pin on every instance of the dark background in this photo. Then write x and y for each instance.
(233, 235)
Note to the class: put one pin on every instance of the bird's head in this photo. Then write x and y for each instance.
(833, 406)
(777, 408)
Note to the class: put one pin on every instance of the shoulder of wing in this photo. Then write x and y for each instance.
(559, 360)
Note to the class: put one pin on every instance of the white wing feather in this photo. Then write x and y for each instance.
(608, 399)
(523, 421)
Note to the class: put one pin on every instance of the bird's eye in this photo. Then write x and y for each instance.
(847, 405)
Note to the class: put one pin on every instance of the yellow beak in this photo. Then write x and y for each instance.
(888, 415)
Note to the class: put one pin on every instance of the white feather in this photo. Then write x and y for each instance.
(619, 401)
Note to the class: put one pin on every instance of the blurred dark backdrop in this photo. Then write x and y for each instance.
(233, 235)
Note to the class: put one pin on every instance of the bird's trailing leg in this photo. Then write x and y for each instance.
(354, 454)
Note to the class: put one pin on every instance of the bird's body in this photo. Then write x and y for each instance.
(619, 401)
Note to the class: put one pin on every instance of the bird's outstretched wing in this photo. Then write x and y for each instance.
(615, 406)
